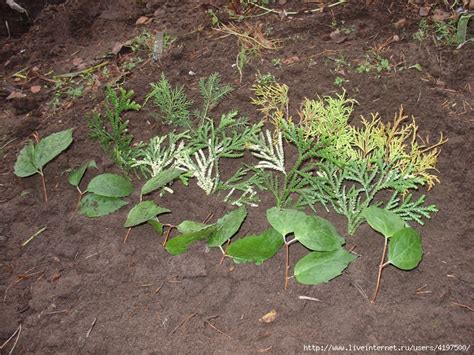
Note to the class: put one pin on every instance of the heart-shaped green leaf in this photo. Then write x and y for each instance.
(321, 266)
(143, 212)
(180, 244)
(191, 226)
(76, 175)
(383, 221)
(256, 248)
(228, 225)
(110, 185)
(24, 165)
(318, 234)
(156, 225)
(284, 221)
(32, 158)
(93, 205)
(405, 249)
(160, 180)
(51, 146)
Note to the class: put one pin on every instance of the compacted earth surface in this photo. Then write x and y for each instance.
(77, 288)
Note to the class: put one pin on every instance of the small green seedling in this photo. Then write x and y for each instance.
(35, 155)
(363, 68)
(76, 175)
(276, 62)
(339, 81)
(404, 246)
(105, 194)
(213, 18)
(416, 66)
(383, 64)
(144, 212)
(326, 260)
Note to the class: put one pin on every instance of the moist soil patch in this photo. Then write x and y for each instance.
(77, 288)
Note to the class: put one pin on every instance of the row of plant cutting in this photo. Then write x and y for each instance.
(367, 173)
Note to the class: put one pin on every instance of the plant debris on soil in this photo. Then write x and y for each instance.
(69, 284)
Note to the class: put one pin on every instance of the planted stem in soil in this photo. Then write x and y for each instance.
(126, 235)
(43, 182)
(287, 263)
(167, 235)
(379, 276)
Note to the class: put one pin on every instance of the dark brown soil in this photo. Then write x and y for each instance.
(76, 288)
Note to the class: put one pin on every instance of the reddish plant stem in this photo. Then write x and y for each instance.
(379, 276)
(225, 252)
(287, 263)
(167, 235)
(126, 235)
(208, 218)
(45, 193)
(79, 199)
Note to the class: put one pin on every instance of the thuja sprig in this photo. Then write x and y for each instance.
(212, 92)
(172, 102)
(211, 143)
(268, 176)
(359, 163)
(112, 131)
(351, 189)
(270, 151)
(159, 153)
(409, 209)
(326, 119)
(272, 99)
(358, 185)
(398, 142)
(231, 136)
(205, 168)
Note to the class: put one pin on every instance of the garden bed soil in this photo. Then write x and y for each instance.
(77, 288)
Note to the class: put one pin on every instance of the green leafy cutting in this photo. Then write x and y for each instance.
(173, 103)
(104, 195)
(326, 261)
(143, 212)
(110, 185)
(256, 248)
(211, 143)
(383, 221)
(228, 226)
(404, 249)
(111, 131)
(33, 157)
(404, 245)
(180, 244)
(319, 267)
(93, 205)
(212, 92)
(216, 234)
(76, 175)
(369, 161)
